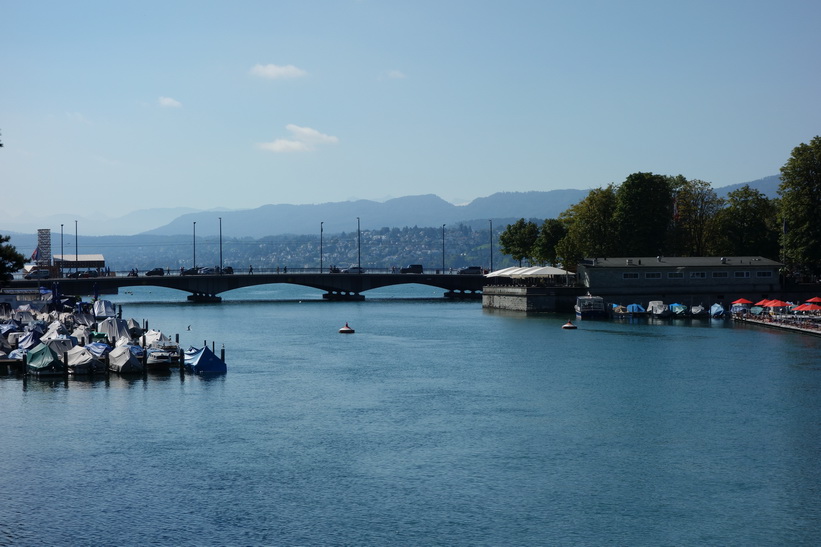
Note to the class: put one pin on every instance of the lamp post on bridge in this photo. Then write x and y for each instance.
(195, 245)
(358, 245)
(76, 251)
(321, 229)
(62, 256)
(220, 245)
(443, 248)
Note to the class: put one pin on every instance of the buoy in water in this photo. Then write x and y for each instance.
(569, 325)
(346, 329)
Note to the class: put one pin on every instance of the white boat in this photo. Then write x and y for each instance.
(590, 307)
(658, 309)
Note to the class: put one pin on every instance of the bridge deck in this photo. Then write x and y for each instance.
(342, 286)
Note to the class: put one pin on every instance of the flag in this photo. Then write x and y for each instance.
(35, 255)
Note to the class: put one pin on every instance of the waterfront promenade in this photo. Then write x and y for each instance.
(804, 324)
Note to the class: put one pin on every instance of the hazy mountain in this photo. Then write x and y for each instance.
(98, 225)
(425, 210)
(767, 186)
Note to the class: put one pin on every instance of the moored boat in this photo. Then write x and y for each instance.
(590, 307)
(658, 309)
(717, 311)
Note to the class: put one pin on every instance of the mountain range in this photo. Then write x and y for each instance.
(422, 210)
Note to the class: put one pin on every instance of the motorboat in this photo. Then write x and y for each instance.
(590, 307)
(717, 311)
(658, 309)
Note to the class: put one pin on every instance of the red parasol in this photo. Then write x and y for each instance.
(762, 303)
(745, 301)
(815, 299)
(776, 304)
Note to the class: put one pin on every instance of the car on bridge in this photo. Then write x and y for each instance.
(155, 271)
(471, 270)
(412, 268)
(38, 274)
(354, 269)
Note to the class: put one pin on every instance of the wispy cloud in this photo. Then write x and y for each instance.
(303, 139)
(396, 75)
(77, 117)
(168, 102)
(276, 72)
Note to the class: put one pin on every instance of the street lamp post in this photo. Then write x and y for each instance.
(195, 244)
(220, 245)
(443, 248)
(320, 245)
(62, 256)
(76, 249)
(358, 245)
(491, 244)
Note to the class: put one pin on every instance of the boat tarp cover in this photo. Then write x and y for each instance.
(114, 328)
(635, 308)
(104, 308)
(42, 357)
(29, 340)
(123, 361)
(204, 361)
(78, 356)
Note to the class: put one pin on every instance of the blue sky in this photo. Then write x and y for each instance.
(135, 105)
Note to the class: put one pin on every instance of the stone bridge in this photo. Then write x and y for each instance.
(206, 288)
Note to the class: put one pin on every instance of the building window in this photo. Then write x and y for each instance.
(675, 275)
(741, 275)
(763, 274)
(652, 275)
(698, 275)
(721, 274)
(630, 276)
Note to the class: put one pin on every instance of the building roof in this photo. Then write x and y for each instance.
(79, 258)
(680, 262)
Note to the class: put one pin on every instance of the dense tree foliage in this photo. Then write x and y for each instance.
(746, 226)
(518, 240)
(550, 234)
(10, 259)
(800, 192)
(643, 214)
(695, 206)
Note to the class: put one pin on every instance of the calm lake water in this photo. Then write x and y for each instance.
(437, 423)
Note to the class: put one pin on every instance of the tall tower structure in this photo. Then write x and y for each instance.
(43, 247)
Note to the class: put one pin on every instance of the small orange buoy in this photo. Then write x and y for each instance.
(346, 329)
(569, 325)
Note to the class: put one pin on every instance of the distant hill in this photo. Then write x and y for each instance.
(337, 217)
(425, 210)
(767, 186)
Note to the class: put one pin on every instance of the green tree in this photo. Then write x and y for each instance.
(695, 207)
(800, 192)
(518, 240)
(643, 214)
(551, 232)
(10, 259)
(747, 225)
(590, 227)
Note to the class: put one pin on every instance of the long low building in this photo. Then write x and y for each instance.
(693, 279)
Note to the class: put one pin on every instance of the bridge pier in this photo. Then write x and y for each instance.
(202, 297)
(343, 295)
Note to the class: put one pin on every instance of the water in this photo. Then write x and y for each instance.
(437, 423)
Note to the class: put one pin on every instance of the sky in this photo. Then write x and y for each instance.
(122, 106)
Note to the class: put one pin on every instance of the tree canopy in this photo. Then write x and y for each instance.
(518, 240)
(800, 192)
(10, 259)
